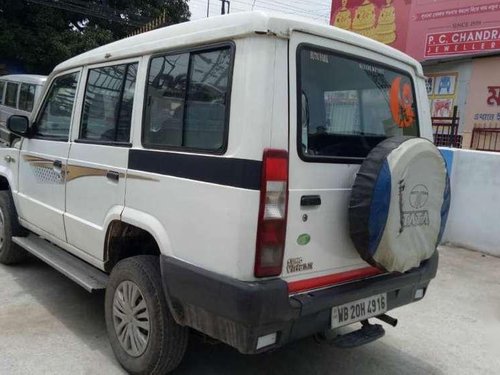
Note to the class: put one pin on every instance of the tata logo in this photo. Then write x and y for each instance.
(415, 218)
(419, 196)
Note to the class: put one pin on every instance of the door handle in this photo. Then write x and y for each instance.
(310, 200)
(57, 166)
(113, 175)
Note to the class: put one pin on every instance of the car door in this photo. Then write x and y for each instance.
(97, 164)
(43, 159)
(10, 91)
(339, 111)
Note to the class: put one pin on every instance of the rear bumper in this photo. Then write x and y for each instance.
(238, 313)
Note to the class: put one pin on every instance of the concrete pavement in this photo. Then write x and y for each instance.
(48, 325)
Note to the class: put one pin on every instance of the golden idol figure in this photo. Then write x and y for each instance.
(364, 19)
(386, 25)
(343, 19)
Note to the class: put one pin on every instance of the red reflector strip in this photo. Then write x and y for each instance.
(337, 278)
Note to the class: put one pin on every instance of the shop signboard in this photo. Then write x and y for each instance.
(425, 29)
(483, 102)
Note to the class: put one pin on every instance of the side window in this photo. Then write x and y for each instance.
(2, 86)
(187, 100)
(165, 100)
(107, 109)
(27, 97)
(55, 118)
(11, 94)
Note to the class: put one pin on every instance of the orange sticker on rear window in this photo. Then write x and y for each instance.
(401, 103)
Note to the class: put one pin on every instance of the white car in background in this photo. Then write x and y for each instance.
(18, 95)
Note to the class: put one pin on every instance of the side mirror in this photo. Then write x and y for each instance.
(19, 125)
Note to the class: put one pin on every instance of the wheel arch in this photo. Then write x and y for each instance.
(6, 179)
(134, 233)
(4, 183)
(150, 224)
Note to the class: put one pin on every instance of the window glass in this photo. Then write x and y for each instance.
(127, 101)
(107, 108)
(165, 104)
(55, 117)
(186, 100)
(347, 106)
(206, 100)
(2, 86)
(11, 94)
(27, 97)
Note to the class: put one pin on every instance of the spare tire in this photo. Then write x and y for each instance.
(399, 203)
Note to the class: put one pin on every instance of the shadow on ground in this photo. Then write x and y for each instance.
(83, 315)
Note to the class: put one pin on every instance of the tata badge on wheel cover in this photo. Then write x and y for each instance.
(399, 203)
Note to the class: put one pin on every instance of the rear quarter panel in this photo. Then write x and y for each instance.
(212, 225)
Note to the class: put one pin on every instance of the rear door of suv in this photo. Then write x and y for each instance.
(97, 162)
(339, 110)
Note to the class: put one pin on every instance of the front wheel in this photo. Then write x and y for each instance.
(142, 332)
(10, 253)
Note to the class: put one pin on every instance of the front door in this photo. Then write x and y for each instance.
(43, 159)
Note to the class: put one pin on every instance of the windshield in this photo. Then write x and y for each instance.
(348, 105)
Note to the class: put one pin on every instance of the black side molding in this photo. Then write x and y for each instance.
(239, 173)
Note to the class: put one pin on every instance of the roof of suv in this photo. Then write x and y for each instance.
(221, 28)
(25, 78)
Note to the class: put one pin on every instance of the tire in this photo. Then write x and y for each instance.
(10, 253)
(160, 344)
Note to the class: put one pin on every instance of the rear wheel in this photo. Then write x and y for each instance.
(142, 332)
(10, 253)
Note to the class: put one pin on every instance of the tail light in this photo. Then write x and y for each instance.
(271, 227)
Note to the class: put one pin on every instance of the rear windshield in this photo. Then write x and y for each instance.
(347, 105)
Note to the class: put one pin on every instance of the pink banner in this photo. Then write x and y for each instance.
(457, 12)
(453, 27)
(383, 20)
(424, 29)
(462, 42)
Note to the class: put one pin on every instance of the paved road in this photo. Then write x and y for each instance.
(48, 325)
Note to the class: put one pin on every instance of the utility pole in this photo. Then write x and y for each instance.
(208, 8)
(223, 6)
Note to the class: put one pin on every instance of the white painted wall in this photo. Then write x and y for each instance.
(474, 218)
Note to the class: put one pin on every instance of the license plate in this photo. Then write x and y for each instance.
(359, 310)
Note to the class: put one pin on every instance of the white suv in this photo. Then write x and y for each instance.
(207, 175)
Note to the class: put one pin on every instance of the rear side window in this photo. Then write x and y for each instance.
(107, 108)
(55, 117)
(2, 87)
(27, 97)
(188, 100)
(348, 105)
(11, 94)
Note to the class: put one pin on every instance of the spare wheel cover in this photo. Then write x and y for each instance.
(399, 203)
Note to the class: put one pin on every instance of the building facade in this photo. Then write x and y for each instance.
(458, 44)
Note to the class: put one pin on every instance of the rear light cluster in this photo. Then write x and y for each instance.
(271, 227)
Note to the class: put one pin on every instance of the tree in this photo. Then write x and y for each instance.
(38, 37)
